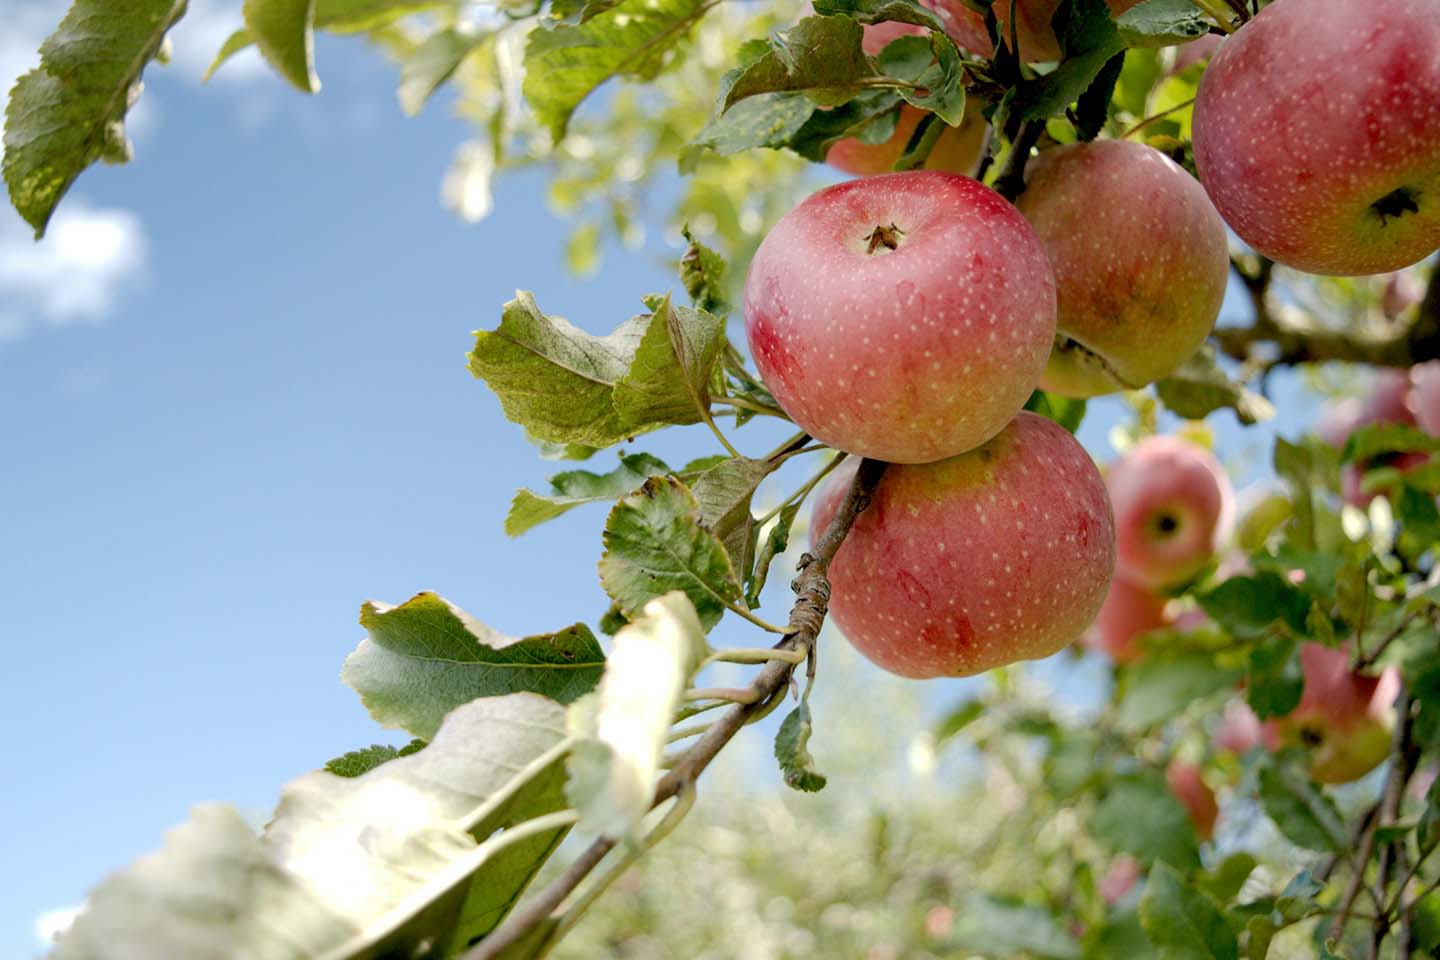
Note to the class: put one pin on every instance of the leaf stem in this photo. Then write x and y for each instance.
(752, 406)
(1220, 12)
(1142, 124)
(799, 495)
(756, 655)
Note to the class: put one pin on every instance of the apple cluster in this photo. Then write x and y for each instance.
(1409, 398)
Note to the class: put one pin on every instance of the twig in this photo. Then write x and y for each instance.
(1011, 182)
(1403, 757)
(812, 598)
(1142, 124)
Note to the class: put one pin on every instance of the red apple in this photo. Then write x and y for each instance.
(1032, 25)
(957, 150)
(1425, 396)
(1317, 133)
(1240, 730)
(905, 317)
(1194, 795)
(1000, 554)
(1129, 612)
(1129, 312)
(1173, 507)
(1344, 718)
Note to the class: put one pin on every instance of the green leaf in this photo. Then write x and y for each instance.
(655, 543)
(1300, 808)
(879, 11)
(1199, 387)
(1181, 922)
(933, 64)
(1161, 23)
(819, 56)
(958, 719)
(356, 762)
(626, 724)
(724, 493)
(1376, 439)
(1274, 679)
(284, 32)
(1066, 411)
(774, 544)
(1248, 606)
(1092, 108)
(433, 63)
(565, 63)
(362, 867)
(575, 488)
(553, 378)
(770, 120)
(70, 111)
(871, 117)
(1000, 927)
(1156, 688)
(1139, 815)
(426, 657)
(1088, 39)
(1427, 834)
(792, 743)
(702, 271)
(1120, 936)
(1224, 882)
(668, 380)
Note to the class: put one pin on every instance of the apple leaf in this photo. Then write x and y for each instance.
(1139, 815)
(792, 743)
(1199, 387)
(1248, 606)
(724, 493)
(284, 32)
(353, 867)
(770, 120)
(998, 927)
(702, 271)
(625, 725)
(774, 543)
(426, 657)
(1066, 411)
(70, 111)
(432, 64)
(1181, 922)
(1223, 883)
(574, 488)
(878, 11)
(356, 762)
(819, 56)
(1162, 23)
(1088, 39)
(870, 117)
(655, 543)
(1374, 440)
(554, 378)
(1274, 679)
(1300, 809)
(669, 375)
(1158, 687)
(1092, 108)
(565, 63)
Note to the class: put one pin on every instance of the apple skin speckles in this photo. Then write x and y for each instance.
(936, 579)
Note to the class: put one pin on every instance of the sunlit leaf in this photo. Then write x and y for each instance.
(575, 488)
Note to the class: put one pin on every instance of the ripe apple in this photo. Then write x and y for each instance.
(957, 150)
(1195, 796)
(1344, 718)
(1425, 396)
(1173, 507)
(1119, 879)
(905, 317)
(1129, 611)
(1032, 25)
(1129, 312)
(1317, 133)
(1000, 554)
(1239, 730)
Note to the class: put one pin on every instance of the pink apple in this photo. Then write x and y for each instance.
(1344, 718)
(1317, 133)
(1173, 507)
(1129, 612)
(1388, 400)
(904, 317)
(1240, 730)
(1195, 796)
(1000, 554)
(1196, 51)
(1425, 396)
(965, 27)
(1119, 879)
(1129, 311)
(1403, 290)
(957, 150)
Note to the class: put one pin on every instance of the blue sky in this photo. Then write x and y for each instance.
(235, 406)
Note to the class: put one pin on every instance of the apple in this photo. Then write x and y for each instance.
(1388, 400)
(1344, 718)
(1239, 730)
(957, 150)
(1196, 51)
(904, 317)
(1317, 133)
(1425, 396)
(1173, 507)
(1119, 879)
(1129, 611)
(1403, 290)
(1032, 25)
(1195, 796)
(1129, 312)
(999, 554)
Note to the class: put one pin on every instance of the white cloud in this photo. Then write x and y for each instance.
(51, 924)
(198, 37)
(89, 258)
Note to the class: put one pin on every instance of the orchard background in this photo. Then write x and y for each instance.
(251, 463)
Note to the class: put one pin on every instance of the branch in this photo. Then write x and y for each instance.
(807, 616)
(1403, 757)
(1294, 336)
(1011, 182)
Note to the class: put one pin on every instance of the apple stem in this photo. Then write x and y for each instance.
(887, 237)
